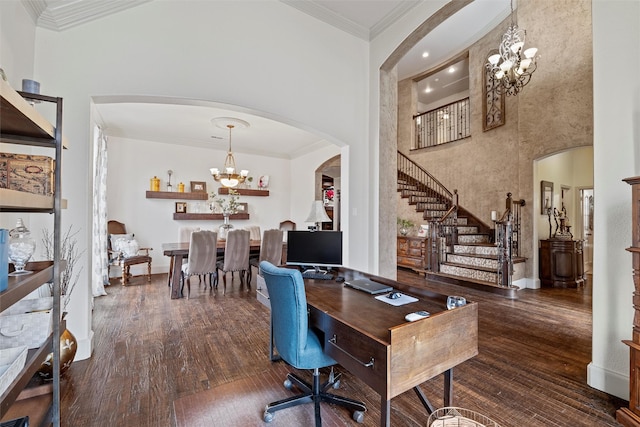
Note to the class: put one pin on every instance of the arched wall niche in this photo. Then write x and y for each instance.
(332, 169)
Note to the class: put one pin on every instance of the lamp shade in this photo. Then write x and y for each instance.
(318, 214)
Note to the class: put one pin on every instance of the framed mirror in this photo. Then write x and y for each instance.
(546, 196)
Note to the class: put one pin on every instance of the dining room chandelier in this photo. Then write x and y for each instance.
(512, 67)
(228, 176)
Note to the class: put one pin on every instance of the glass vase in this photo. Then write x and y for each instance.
(225, 227)
(21, 248)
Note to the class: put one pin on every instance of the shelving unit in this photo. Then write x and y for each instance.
(22, 124)
(244, 192)
(176, 195)
(207, 216)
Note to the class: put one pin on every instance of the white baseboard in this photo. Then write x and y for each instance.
(608, 381)
(85, 348)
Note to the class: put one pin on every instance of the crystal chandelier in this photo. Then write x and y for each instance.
(228, 177)
(513, 66)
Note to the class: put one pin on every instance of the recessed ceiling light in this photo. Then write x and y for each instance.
(427, 90)
(452, 69)
(437, 80)
(425, 54)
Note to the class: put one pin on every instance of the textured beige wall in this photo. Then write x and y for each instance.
(553, 112)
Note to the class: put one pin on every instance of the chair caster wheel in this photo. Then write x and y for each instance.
(336, 385)
(358, 416)
(267, 417)
(287, 384)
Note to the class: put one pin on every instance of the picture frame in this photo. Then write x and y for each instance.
(243, 207)
(181, 207)
(198, 186)
(546, 196)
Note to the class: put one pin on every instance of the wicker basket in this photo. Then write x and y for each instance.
(458, 417)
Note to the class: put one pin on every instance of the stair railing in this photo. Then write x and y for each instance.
(443, 235)
(507, 239)
(415, 175)
(443, 231)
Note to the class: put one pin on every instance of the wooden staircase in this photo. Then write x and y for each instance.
(474, 260)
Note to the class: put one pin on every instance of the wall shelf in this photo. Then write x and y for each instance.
(207, 216)
(244, 192)
(176, 195)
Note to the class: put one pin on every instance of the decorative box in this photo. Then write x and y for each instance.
(12, 361)
(27, 173)
(26, 323)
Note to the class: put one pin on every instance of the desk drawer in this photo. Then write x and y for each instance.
(361, 355)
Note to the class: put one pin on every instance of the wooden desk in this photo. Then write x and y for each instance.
(375, 343)
(179, 251)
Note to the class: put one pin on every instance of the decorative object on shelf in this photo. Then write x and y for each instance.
(181, 207)
(27, 173)
(155, 184)
(405, 226)
(169, 187)
(68, 279)
(508, 68)
(68, 349)
(21, 248)
(328, 195)
(228, 206)
(229, 177)
(317, 215)
(198, 187)
(3, 75)
(181, 187)
(563, 230)
(71, 254)
(31, 86)
(263, 183)
(242, 208)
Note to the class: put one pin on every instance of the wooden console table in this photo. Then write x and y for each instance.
(561, 263)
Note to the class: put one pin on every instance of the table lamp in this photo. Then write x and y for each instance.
(317, 214)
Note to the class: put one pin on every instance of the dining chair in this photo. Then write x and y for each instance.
(270, 250)
(202, 258)
(236, 256)
(184, 236)
(299, 346)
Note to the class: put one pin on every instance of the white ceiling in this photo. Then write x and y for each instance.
(165, 121)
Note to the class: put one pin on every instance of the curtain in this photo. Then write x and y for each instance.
(100, 267)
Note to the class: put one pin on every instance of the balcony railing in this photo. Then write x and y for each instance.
(444, 124)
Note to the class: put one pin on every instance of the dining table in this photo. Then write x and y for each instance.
(179, 251)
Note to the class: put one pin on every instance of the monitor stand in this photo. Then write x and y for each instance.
(316, 270)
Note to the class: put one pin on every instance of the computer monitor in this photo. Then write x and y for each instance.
(314, 248)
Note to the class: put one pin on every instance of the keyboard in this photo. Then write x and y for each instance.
(317, 276)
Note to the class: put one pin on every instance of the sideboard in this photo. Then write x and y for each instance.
(412, 252)
(561, 263)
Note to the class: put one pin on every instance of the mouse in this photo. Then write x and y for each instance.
(394, 295)
(339, 279)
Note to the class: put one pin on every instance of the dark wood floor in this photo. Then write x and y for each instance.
(150, 350)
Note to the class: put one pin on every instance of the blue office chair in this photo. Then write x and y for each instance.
(298, 345)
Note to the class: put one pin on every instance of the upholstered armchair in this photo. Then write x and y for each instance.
(124, 251)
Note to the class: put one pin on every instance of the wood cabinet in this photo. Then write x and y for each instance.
(631, 416)
(22, 124)
(412, 252)
(561, 263)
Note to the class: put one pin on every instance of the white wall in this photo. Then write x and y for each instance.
(616, 153)
(260, 55)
